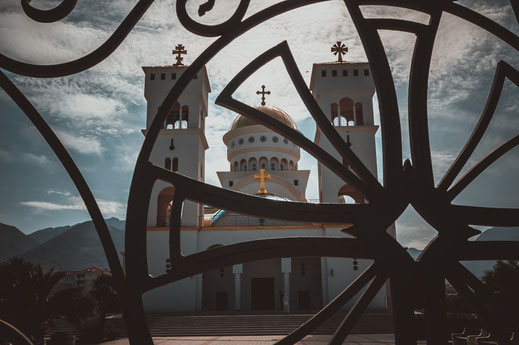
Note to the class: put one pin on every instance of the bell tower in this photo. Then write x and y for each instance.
(344, 91)
(181, 144)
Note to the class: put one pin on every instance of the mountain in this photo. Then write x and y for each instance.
(116, 223)
(43, 235)
(415, 253)
(76, 248)
(14, 242)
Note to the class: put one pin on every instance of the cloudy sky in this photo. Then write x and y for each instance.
(98, 114)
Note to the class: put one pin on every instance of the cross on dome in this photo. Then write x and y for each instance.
(262, 93)
(262, 177)
(179, 50)
(339, 49)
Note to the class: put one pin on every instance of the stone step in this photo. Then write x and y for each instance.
(219, 325)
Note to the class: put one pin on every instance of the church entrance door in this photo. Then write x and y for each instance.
(262, 294)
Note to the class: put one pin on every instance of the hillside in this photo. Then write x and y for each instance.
(14, 242)
(75, 249)
(43, 235)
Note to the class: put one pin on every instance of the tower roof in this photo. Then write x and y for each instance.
(242, 121)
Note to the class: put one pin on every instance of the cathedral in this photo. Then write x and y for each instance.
(261, 163)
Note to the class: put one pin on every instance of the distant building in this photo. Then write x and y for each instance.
(83, 279)
(261, 163)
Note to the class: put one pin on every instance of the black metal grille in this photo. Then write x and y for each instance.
(405, 184)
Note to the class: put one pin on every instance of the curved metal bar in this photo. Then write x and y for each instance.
(483, 22)
(257, 206)
(49, 16)
(353, 315)
(85, 62)
(486, 215)
(386, 93)
(210, 30)
(476, 170)
(80, 183)
(73, 171)
(259, 250)
(488, 250)
(331, 308)
(17, 331)
(175, 250)
(398, 25)
(418, 121)
(225, 99)
(503, 71)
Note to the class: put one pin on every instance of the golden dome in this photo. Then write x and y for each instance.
(242, 121)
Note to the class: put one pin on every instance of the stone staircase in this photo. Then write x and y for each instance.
(220, 325)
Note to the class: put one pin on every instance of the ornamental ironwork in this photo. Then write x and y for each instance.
(409, 183)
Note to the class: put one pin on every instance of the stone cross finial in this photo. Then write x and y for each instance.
(339, 49)
(262, 177)
(179, 50)
(262, 93)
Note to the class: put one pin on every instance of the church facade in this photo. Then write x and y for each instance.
(261, 163)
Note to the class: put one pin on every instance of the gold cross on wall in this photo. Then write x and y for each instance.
(262, 93)
(179, 50)
(339, 49)
(262, 177)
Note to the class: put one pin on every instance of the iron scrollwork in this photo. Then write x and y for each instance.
(405, 184)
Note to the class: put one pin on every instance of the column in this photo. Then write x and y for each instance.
(237, 270)
(286, 269)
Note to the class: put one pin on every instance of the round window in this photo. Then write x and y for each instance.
(285, 140)
(263, 138)
(275, 139)
(251, 140)
(240, 141)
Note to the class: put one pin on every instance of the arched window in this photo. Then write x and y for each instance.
(164, 205)
(253, 164)
(346, 111)
(283, 165)
(185, 116)
(243, 165)
(349, 195)
(167, 164)
(173, 116)
(263, 163)
(291, 165)
(274, 163)
(236, 166)
(175, 164)
(359, 115)
(334, 111)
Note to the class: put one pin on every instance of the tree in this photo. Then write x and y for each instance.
(503, 280)
(106, 299)
(24, 292)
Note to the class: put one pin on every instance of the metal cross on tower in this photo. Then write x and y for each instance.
(262, 177)
(262, 93)
(339, 49)
(179, 50)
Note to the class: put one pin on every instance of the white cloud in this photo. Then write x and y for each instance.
(57, 192)
(109, 208)
(80, 144)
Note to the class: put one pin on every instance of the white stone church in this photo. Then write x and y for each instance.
(265, 164)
